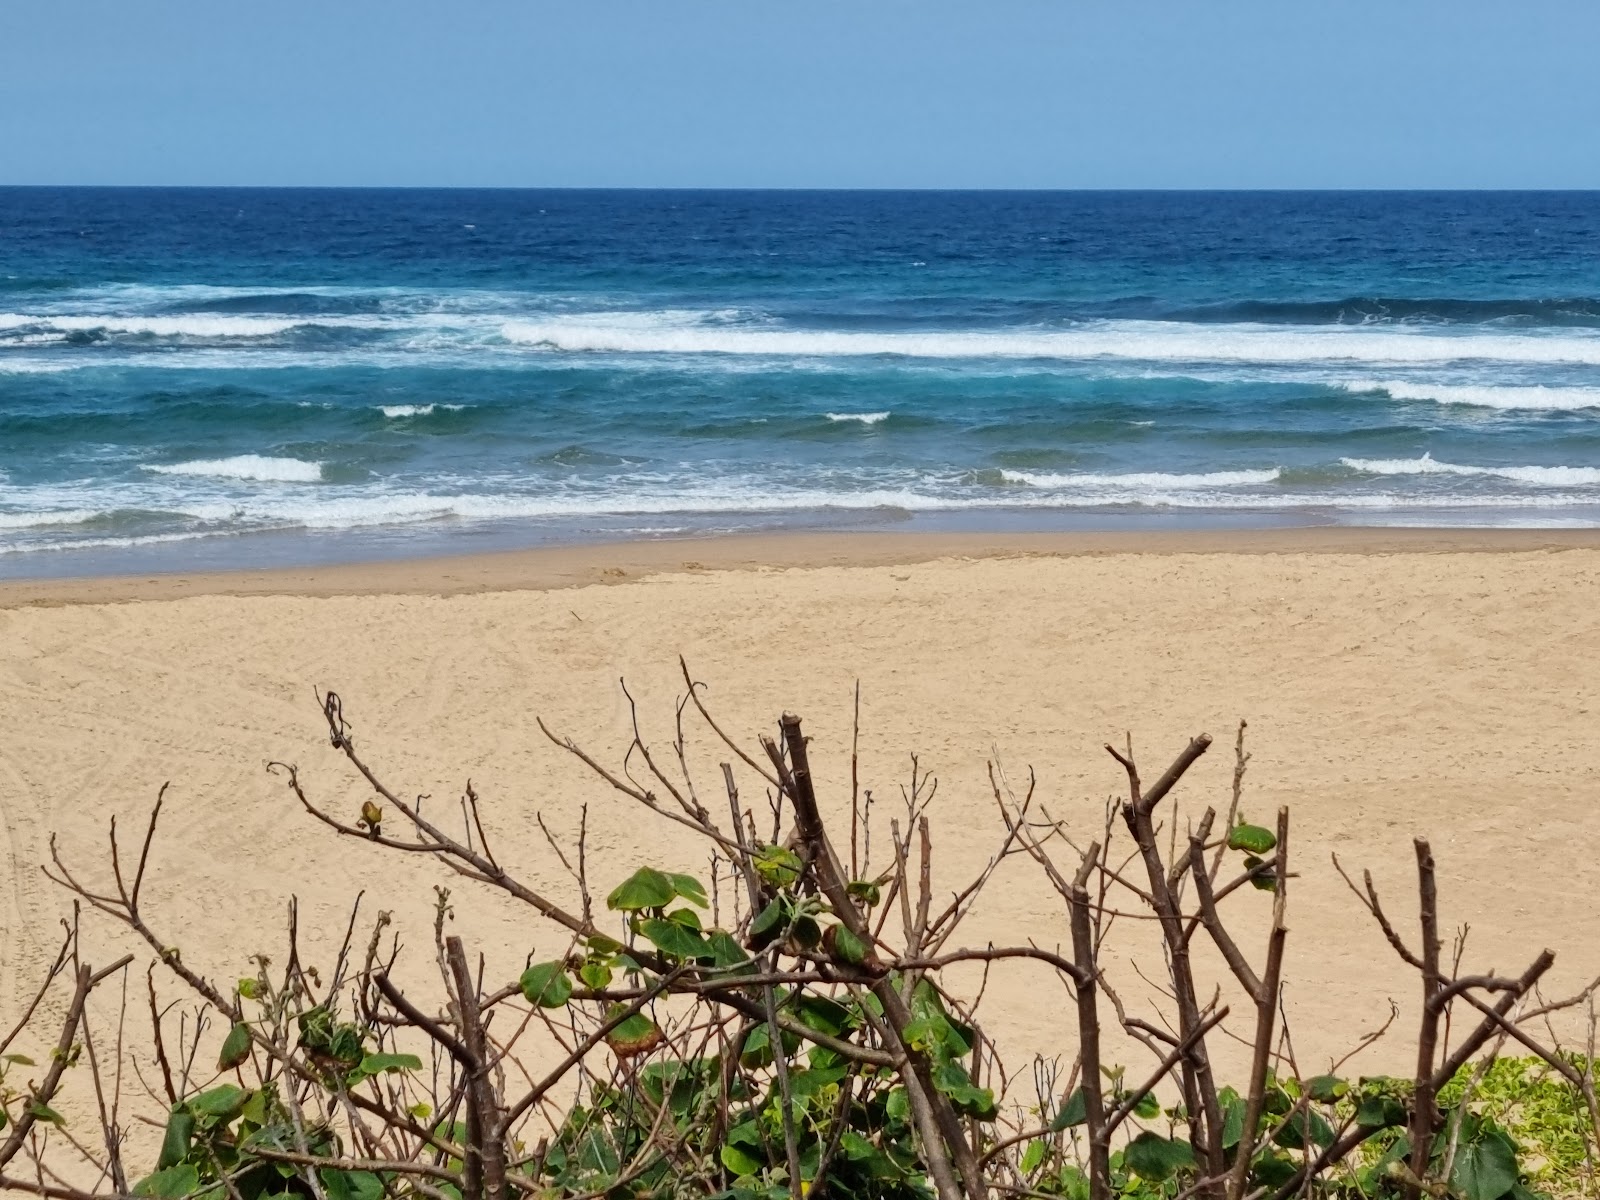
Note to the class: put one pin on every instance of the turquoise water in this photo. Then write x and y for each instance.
(214, 377)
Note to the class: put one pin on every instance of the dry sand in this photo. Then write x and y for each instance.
(1395, 684)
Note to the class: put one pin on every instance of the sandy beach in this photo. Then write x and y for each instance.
(1397, 683)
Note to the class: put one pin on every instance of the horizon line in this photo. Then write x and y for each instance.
(699, 188)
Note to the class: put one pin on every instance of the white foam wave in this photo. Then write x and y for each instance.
(1428, 465)
(1560, 399)
(256, 467)
(1146, 479)
(31, 367)
(45, 518)
(1139, 340)
(110, 543)
(396, 412)
(872, 418)
(195, 326)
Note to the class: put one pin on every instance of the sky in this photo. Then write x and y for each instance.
(825, 93)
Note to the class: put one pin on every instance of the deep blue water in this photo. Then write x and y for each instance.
(337, 372)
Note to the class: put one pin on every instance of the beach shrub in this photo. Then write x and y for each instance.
(785, 1026)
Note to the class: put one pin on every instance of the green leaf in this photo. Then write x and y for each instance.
(1326, 1089)
(1147, 1107)
(1074, 1183)
(808, 1083)
(778, 865)
(933, 1027)
(969, 1099)
(856, 1148)
(21, 1060)
(688, 888)
(175, 1142)
(599, 943)
(1486, 1168)
(726, 953)
(737, 1161)
(1074, 1111)
(1377, 1112)
(235, 1048)
(898, 1106)
(805, 932)
(316, 1028)
(849, 948)
(866, 891)
(346, 1046)
(645, 888)
(1251, 838)
(169, 1184)
(595, 975)
(757, 1052)
(1272, 1169)
(256, 1107)
(635, 1035)
(1034, 1155)
(43, 1112)
(1265, 881)
(1305, 1126)
(1155, 1157)
(219, 1103)
(821, 1013)
(672, 939)
(769, 923)
(546, 984)
(1232, 1117)
(377, 1064)
(686, 917)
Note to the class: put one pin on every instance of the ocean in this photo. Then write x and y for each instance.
(195, 377)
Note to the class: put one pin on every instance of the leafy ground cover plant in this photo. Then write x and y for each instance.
(785, 1026)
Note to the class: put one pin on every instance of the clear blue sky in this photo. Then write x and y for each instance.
(813, 93)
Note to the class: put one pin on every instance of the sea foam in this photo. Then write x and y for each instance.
(397, 412)
(871, 418)
(1428, 465)
(1165, 341)
(1559, 399)
(255, 467)
(193, 326)
(1145, 479)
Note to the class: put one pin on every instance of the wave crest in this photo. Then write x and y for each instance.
(254, 467)
(1139, 340)
(1551, 399)
(398, 412)
(1146, 479)
(1428, 465)
(871, 418)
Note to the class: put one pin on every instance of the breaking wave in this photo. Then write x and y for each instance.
(397, 412)
(872, 418)
(1146, 479)
(1428, 465)
(1138, 340)
(255, 467)
(1552, 399)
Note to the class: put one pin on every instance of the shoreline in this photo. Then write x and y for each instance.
(550, 568)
